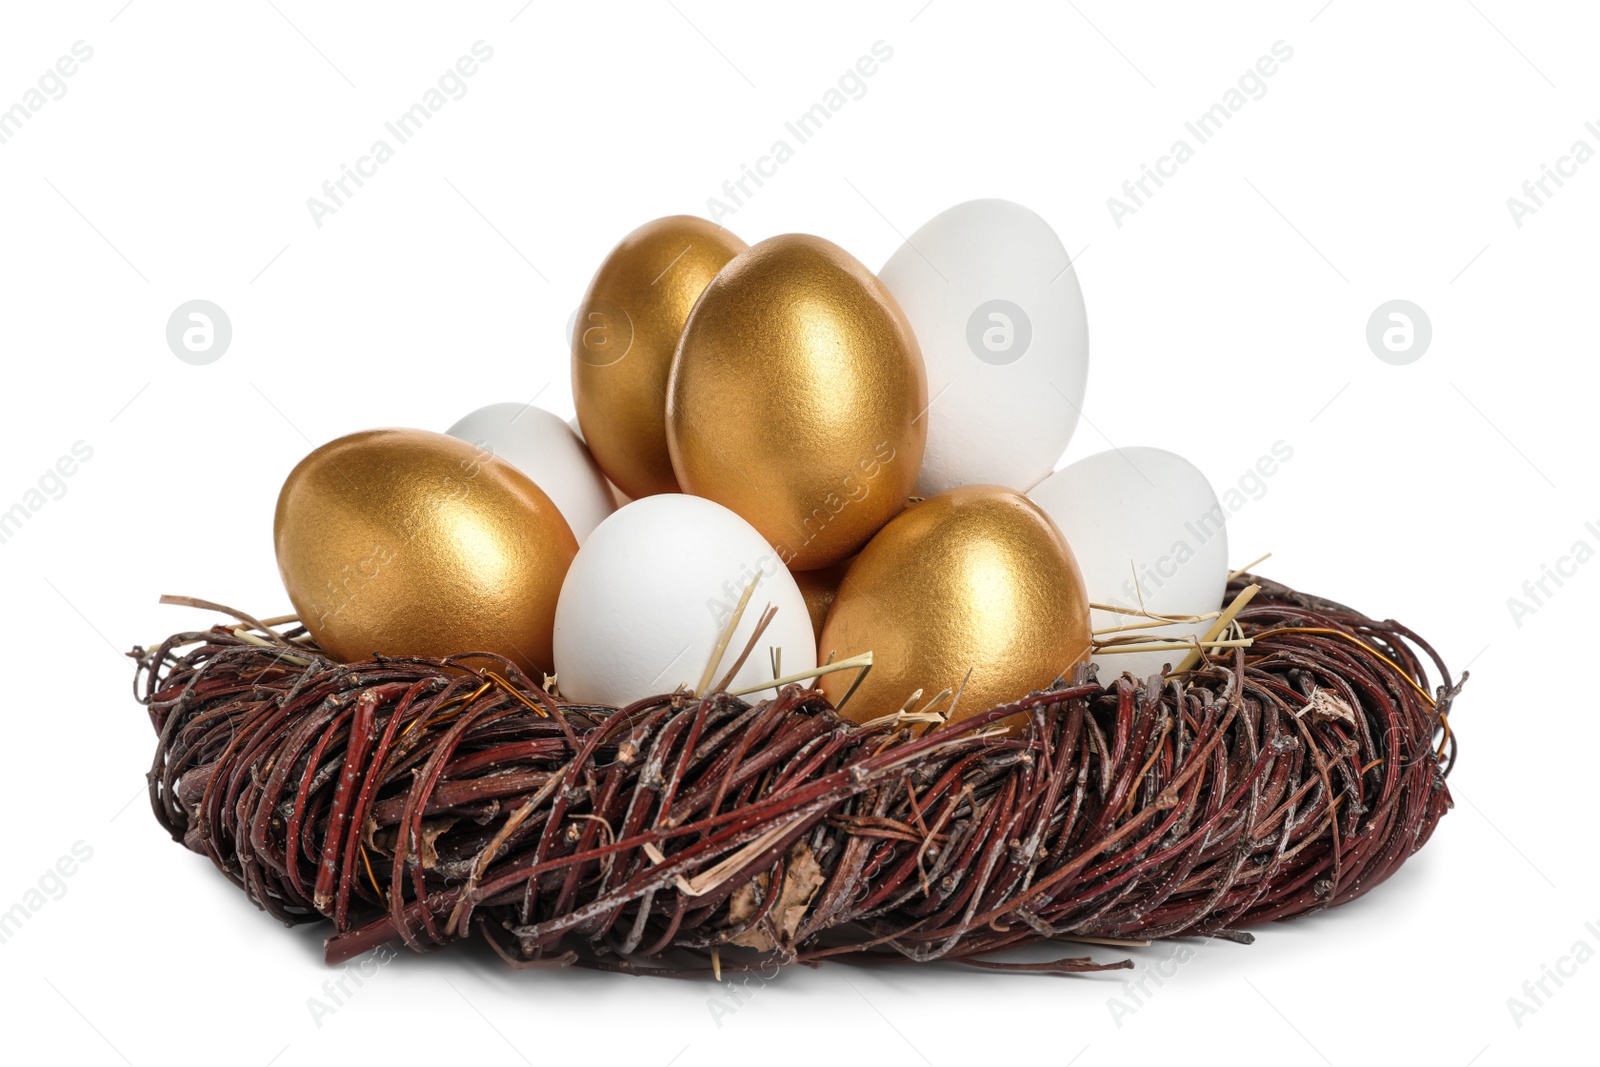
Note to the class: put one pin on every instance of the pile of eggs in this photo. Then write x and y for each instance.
(864, 460)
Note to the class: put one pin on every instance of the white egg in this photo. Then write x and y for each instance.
(542, 446)
(994, 301)
(1146, 528)
(650, 591)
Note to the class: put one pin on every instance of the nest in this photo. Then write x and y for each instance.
(429, 801)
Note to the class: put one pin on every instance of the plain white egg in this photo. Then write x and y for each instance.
(994, 301)
(1145, 526)
(542, 446)
(650, 592)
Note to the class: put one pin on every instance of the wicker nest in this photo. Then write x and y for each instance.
(418, 801)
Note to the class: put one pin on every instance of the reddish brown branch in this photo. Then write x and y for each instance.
(414, 801)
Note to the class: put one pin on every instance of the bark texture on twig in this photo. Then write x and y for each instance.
(422, 801)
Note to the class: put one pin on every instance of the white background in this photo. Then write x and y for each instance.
(1228, 313)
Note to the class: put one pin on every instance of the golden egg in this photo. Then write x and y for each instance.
(411, 543)
(819, 587)
(623, 339)
(976, 578)
(797, 399)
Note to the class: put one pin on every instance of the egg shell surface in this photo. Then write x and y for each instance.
(544, 447)
(993, 299)
(650, 592)
(1145, 526)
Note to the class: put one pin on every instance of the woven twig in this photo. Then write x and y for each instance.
(420, 801)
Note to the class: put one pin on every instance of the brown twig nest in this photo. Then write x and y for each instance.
(420, 801)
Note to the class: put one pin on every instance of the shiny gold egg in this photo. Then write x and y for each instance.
(819, 587)
(797, 399)
(626, 331)
(411, 543)
(976, 578)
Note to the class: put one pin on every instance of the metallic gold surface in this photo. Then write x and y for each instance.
(819, 587)
(623, 340)
(411, 543)
(797, 399)
(976, 577)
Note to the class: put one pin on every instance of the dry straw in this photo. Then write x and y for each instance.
(1295, 763)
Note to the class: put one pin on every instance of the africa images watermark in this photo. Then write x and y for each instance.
(451, 85)
(1148, 979)
(737, 991)
(1399, 332)
(50, 886)
(853, 488)
(1538, 992)
(338, 991)
(851, 85)
(51, 485)
(199, 332)
(1537, 592)
(1252, 85)
(1537, 192)
(52, 85)
(1250, 486)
